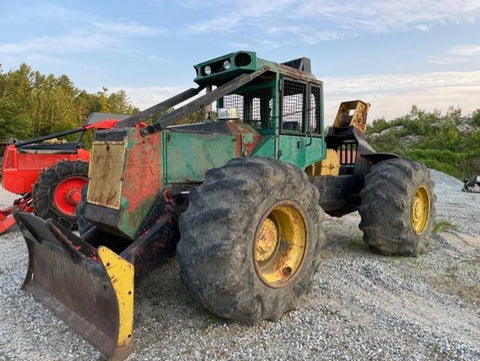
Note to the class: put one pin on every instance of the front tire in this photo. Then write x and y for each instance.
(398, 207)
(239, 224)
(57, 191)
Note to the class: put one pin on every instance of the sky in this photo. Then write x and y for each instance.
(391, 53)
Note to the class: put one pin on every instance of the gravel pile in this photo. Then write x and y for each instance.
(363, 307)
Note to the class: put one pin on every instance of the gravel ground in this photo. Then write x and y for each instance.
(363, 307)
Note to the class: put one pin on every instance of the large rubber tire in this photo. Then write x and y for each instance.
(387, 204)
(215, 251)
(44, 188)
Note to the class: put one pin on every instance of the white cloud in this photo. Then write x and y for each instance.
(317, 36)
(466, 50)
(423, 27)
(322, 20)
(392, 95)
(457, 55)
(86, 32)
(239, 14)
(144, 97)
(78, 41)
(390, 15)
(125, 27)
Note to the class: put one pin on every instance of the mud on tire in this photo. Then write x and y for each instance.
(215, 251)
(44, 189)
(387, 205)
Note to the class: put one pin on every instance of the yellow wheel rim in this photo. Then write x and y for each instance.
(420, 212)
(280, 244)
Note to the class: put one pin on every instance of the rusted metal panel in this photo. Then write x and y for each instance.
(142, 180)
(126, 183)
(105, 173)
(246, 137)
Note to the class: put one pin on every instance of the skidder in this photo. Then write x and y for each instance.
(240, 199)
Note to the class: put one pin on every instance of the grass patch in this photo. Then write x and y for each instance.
(442, 226)
(450, 283)
(4, 356)
(357, 244)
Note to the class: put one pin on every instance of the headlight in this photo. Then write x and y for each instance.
(226, 64)
(207, 70)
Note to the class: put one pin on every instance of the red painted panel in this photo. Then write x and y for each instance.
(143, 170)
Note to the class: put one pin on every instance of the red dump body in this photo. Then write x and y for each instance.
(23, 162)
(21, 168)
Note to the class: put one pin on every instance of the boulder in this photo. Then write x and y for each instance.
(413, 138)
(397, 128)
(464, 128)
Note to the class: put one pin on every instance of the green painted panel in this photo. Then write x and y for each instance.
(301, 151)
(219, 73)
(190, 155)
(266, 147)
(292, 149)
(316, 151)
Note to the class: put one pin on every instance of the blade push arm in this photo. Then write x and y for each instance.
(193, 106)
(158, 108)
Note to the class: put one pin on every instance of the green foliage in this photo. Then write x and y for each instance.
(442, 226)
(33, 104)
(198, 117)
(441, 146)
(476, 118)
(378, 125)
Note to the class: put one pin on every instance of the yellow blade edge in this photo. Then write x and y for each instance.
(121, 274)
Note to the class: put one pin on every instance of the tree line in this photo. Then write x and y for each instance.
(33, 104)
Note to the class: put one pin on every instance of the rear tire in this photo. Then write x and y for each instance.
(219, 250)
(398, 207)
(46, 186)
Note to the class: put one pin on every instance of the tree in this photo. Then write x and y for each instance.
(476, 117)
(34, 104)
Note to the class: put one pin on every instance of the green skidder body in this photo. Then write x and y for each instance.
(277, 114)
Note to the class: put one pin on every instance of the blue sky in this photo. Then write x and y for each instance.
(390, 53)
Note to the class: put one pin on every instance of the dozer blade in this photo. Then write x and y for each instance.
(91, 290)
